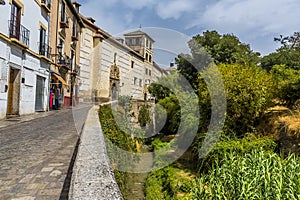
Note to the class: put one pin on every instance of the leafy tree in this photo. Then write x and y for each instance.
(213, 47)
(287, 84)
(288, 54)
(225, 48)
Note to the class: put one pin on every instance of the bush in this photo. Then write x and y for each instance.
(239, 146)
(116, 137)
(167, 183)
(144, 116)
(287, 84)
(249, 91)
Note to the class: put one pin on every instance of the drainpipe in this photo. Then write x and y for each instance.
(49, 67)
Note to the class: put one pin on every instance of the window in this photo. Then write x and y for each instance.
(64, 19)
(15, 21)
(72, 64)
(135, 80)
(146, 71)
(132, 64)
(140, 84)
(74, 29)
(63, 11)
(150, 58)
(133, 41)
(147, 56)
(44, 48)
(115, 57)
(16, 30)
(149, 72)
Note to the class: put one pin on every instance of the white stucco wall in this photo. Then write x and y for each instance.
(29, 64)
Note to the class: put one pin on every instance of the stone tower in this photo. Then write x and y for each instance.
(142, 43)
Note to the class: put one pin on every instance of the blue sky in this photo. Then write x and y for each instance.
(254, 22)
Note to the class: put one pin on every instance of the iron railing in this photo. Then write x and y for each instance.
(47, 3)
(64, 21)
(45, 50)
(18, 32)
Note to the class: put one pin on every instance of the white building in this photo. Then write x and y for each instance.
(110, 67)
(24, 57)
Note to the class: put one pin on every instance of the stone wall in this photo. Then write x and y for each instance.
(92, 176)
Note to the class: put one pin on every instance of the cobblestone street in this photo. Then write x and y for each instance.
(35, 155)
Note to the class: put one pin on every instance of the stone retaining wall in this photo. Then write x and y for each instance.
(93, 177)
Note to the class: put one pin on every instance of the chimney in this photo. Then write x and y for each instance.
(76, 5)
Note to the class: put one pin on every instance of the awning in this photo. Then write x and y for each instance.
(60, 79)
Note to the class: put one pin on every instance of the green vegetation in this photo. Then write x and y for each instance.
(243, 164)
(117, 137)
(254, 175)
(287, 84)
(249, 91)
(144, 116)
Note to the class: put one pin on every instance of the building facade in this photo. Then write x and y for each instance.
(111, 67)
(24, 57)
(65, 28)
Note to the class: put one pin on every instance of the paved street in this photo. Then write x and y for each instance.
(35, 155)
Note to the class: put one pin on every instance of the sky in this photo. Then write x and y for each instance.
(171, 23)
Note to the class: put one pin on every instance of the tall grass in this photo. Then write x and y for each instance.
(254, 175)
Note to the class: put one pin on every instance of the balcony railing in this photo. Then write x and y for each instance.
(64, 22)
(18, 32)
(45, 50)
(46, 4)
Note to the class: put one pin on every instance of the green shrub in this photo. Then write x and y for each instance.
(287, 84)
(239, 146)
(144, 116)
(166, 183)
(249, 91)
(114, 136)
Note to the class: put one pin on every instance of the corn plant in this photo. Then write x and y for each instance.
(254, 175)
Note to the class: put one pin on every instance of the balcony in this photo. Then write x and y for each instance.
(44, 50)
(46, 4)
(19, 32)
(64, 21)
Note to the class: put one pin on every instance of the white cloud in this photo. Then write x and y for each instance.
(254, 21)
(267, 16)
(174, 9)
(251, 20)
(139, 4)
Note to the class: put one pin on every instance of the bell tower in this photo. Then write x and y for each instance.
(142, 43)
